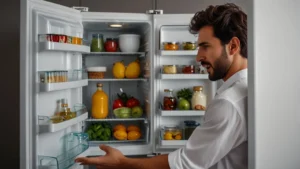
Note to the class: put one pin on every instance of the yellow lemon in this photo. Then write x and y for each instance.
(119, 70)
(133, 70)
(168, 136)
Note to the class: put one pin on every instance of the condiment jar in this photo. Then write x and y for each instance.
(97, 43)
(198, 99)
(189, 127)
(169, 100)
(171, 45)
(111, 45)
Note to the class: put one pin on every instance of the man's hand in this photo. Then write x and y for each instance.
(112, 160)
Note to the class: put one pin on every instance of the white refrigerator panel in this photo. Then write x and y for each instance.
(41, 17)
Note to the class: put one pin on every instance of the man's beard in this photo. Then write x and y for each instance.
(221, 67)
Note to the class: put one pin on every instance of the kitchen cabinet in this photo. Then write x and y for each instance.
(69, 3)
(185, 6)
(128, 6)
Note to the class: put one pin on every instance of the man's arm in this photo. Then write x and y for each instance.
(114, 159)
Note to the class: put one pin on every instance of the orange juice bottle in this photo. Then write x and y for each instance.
(99, 103)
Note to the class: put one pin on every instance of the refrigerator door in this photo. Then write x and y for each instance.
(175, 28)
(41, 140)
(141, 88)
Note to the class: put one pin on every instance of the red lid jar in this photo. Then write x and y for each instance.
(111, 45)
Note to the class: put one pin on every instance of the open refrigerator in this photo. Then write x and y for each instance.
(45, 144)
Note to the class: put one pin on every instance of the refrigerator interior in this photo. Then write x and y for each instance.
(140, 88)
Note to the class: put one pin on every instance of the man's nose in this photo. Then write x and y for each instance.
(200, 56)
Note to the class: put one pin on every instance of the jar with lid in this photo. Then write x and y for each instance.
(171, 45)
(111, 45)
(189, 127)
(198, 99)
(171, 133)
(97, 43)
(169, 100)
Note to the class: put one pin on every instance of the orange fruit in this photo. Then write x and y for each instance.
(178, 137)
(133, 128)
(133, 135)
(120, 135)
(119, 127)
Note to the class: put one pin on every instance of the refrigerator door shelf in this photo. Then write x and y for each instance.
(45, 124)
(48, 87)
(76, 144)
(172, 143)
(139, 54)
(184, 76)
(179, 53)
(182, 113)
(63, 47)
(123, 80)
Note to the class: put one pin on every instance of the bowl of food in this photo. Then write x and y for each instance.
(129, 42)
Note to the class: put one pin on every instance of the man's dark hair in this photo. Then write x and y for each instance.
(227, 20)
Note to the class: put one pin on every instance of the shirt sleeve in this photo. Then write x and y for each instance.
(221, 131)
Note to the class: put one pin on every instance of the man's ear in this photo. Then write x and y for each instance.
(234, 46)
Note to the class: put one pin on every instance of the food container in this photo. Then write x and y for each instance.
(69, 39)
(169, 101)
(53, 38)
(189, 127)
(171, 133)
(111, 45)
(189, 45)
(188, 69)
(169, 69)
(96, 72)
(76, 41)
(97, 44)
(171, 45)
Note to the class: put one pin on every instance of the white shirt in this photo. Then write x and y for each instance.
(221, 142)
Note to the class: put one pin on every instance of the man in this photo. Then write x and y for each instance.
(221, 141)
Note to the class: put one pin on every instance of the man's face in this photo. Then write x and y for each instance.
(212, 54)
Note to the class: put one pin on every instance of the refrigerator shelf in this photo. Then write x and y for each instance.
(172, 143)
(182, 113)
(48, 87)
(78, 144)
(97, 143)
(112, 118)
(45, 124)
(178, 52)
(123, 80)
(63, 47)
(139, 54)
(184, 76)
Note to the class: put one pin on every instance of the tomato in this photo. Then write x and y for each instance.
(117, 104)
(132, 102)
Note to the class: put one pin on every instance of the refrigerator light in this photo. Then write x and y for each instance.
(115, 25)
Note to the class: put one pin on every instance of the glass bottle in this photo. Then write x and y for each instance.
(169, 100)
(198, 99)
(64, 109)
(99, 103)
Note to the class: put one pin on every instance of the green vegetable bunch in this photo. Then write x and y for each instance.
(99, 131)
(185, 94)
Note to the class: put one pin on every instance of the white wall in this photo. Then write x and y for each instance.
(274, 41)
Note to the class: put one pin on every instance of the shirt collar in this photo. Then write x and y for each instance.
(235, 77)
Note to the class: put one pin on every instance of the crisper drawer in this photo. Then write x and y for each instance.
(118, 131)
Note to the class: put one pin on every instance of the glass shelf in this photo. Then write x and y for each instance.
(77, 143)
